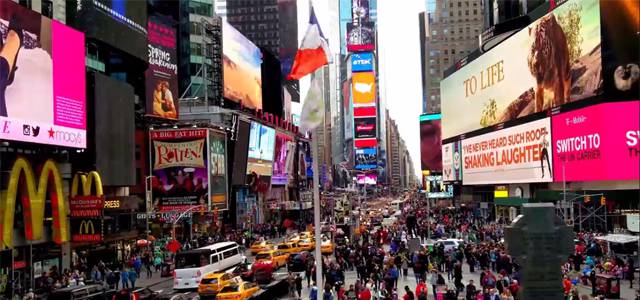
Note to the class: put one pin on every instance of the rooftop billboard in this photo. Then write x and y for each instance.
(242, 62)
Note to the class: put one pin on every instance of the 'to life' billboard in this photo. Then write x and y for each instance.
(513, 155)
(43, 91)
(162, 75)
(556, 60)
(600, 142)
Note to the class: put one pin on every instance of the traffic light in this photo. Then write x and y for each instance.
(603, 200)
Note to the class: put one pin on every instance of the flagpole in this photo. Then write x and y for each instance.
(316, 212)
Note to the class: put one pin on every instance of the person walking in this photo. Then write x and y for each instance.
(133, 276)
(298, 282)
(434, 282)
(124, 277)
(471, 291)
(631, 276)
(408, 294)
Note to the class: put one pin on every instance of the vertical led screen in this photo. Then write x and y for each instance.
(430, 145)
(218, 170)
(162, 74)
(366, 159)
(281, 164)
(242, 62)
(47, 72)
(364, 127)
(179, 167)
(261, 149)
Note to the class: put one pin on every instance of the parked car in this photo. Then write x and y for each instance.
(299, 261)
(87, 292)
(136, 294)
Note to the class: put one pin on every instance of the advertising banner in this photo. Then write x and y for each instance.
(362, 62)
(179, 168)
(86, 229)
(452, 162)
(162, 75)
(218, 170)
(366, 159)
(555, 60)
(361, 38)
(363, 89)
(48, 74)
(368, 111)
(589, 145)
(436, 188)
(86, 206)
(513, 155)
(365, 143)
(370, 179)
(261, 149)
(281, 163)
(365, 127)
(430, 145)
(242, 72)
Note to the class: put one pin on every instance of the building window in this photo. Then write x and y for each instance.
(453, 51)
(434, 32)
(196, 49)
(451, 4)
(194, 28)
(446, 51)
(202, 9)
(47, 8)
(459, 13)
(466, 12)
(459, 4)
(475, 12)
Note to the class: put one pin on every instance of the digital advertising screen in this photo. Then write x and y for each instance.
(512, 155)
(283, 160)
(364, 127)
(162, 75)
(179, 165)
(242, 62)
(361, 38)
(218, 170)
(119, 23)
(48, 73)
(435, 187)
(367, 111)
(261, 149)
(553, 61)
(369, 179)
(362, 62)
(589, 145)
(363, 88)
(452, 162)
(366, 159)
(430, 145)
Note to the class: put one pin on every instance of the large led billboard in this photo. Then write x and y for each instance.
(43, 85)
(361, 38)
(430, 145)
(366, 159)
(261, 149)
(363, 88)
(364, 127)
(362, 62)
(283, 160)
(599, 142)
(162, 75)
(512, 155)
(555, 60)
(242, 62)
(119, 23)
(369, 179)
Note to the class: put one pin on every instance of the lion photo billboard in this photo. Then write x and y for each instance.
(555, 60)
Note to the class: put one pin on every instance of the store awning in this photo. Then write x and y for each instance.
(619, 238)
(510, 201)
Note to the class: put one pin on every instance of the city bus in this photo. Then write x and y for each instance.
(192, 265)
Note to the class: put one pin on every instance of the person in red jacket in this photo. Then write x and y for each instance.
(566, 284)
(365, 294)
(420, 288)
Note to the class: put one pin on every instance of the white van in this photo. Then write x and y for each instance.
(397, 205)
(193, 264)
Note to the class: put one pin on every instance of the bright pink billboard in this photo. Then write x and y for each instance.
(43, 97)
(600, 142)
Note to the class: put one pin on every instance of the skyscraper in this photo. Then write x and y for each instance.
(451, 29)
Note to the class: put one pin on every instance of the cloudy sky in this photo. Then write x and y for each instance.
(400, 78)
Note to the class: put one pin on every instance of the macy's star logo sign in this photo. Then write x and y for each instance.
(51, 132)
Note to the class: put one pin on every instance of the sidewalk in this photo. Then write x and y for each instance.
(155, 279)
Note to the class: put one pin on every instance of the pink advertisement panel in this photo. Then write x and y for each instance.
(600, 142)
(43, 91)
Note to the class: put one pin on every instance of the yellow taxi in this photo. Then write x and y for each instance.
(276, 258)
(212, 283)
(260, 246)
(306, 235)
(240, 291)
(292, 238)
(288, 247)
(307, 244)
(326, 247)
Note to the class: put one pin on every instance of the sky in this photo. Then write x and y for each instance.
(399, 59)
